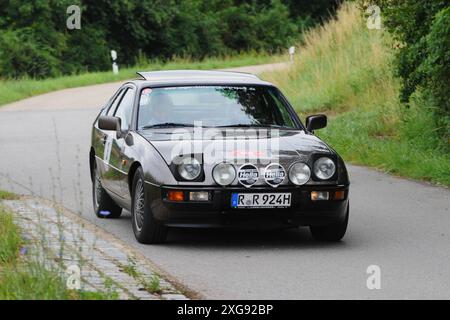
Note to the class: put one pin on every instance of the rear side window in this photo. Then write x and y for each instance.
(125, 109)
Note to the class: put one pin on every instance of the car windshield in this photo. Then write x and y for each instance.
(213, 106)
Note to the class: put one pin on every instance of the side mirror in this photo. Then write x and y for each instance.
(315, 122)
(109, 123)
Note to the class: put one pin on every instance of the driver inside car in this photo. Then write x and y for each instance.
(156, 109)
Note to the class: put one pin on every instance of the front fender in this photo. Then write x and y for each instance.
(343, 178)
(155, 168)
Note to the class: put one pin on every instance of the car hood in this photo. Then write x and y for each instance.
(283, 146)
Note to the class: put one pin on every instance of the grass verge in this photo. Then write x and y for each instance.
(14, 90)
(23, 278)
(346, 71)
(5, 195)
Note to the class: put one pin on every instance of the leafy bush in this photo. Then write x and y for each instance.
(436, 67)
(22, 52)
(86, 53)
(422, 29)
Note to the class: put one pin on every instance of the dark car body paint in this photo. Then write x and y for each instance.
(151, 149)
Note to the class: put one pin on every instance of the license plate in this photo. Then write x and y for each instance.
(261, 200)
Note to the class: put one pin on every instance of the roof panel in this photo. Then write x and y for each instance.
(194, 74)
(198, 77)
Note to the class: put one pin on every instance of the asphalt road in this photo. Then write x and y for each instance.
(402, 226)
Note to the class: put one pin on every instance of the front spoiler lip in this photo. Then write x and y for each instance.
(271, 219)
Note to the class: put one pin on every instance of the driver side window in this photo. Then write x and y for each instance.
(125, 109)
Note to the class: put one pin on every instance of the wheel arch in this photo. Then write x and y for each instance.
(92, 162)
(131, 173)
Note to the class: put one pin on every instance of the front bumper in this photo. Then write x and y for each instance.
(218, 212)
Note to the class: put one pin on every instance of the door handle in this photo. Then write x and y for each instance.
(104, 139)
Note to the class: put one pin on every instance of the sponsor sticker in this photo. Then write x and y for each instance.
(274, 174)
(248, 175)
(107, 151)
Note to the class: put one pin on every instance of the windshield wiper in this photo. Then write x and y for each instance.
(167, 125)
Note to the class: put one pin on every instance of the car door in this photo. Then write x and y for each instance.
(115, 144)
(103, 140)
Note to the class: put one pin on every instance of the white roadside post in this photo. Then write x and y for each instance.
(291, 53)
(115, 67)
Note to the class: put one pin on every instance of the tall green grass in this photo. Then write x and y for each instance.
(341, 65)
(345, 70)
(9, 238)
(14, 90)
(5, 195)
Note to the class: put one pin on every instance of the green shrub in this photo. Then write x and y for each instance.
(422, 29)
(86, 51)
(436, 68)
(21, 52)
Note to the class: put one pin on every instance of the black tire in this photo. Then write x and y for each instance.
(146, 228)
(332, 233)
(102, 201)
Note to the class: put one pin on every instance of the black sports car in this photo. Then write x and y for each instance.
(214, 149)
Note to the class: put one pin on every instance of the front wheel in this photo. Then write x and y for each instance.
(146, 228)
(333, 232)
(104, 206)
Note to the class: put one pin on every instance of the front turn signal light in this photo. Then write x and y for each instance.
(175, 195)
(339, 195)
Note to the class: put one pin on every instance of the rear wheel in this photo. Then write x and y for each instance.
(104, 206)
(333, 232)
(146, 228)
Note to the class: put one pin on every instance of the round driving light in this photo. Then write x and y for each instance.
(299, 173)
(324, 168)
(189, 169)
(224, 174)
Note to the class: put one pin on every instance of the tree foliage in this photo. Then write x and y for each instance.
(34, 39)
(436, 66)
(423, 58)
